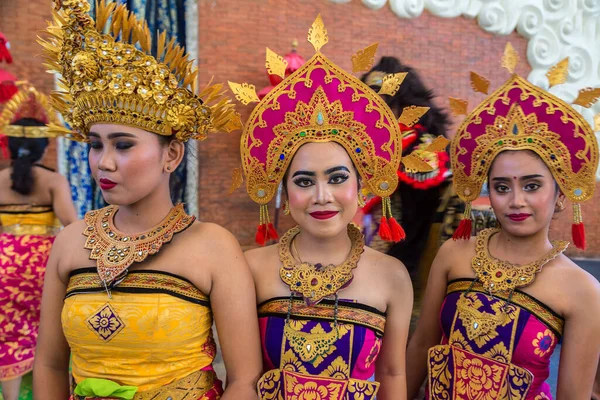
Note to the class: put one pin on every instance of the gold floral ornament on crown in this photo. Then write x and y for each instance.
(113, 78)
(522, 116)
(27, 103)
(319, 103)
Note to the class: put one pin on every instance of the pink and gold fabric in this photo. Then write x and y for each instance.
(344, 371)
(492, 347)
(25, 242)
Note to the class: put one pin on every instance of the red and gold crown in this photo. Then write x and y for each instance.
(522, 116)
(112, 77)
(27, 103)
(320, 102)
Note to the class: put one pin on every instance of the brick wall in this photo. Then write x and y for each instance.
(233, 36)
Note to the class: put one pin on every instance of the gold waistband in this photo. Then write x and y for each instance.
(24, 229)
(193, 386)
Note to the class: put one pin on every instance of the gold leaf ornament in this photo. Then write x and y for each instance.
(317, 34)
(479, 83)
(411, 115)
(587, 97)
(458, 106)
(364, 59)
(413, 163)
(237, 178)
(510, 59)
(597, 123)
(244, 92)
(438, 144)
(558, 73)
(276, 64)
(391, 83)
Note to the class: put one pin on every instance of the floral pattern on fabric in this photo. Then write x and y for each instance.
(544, 343)
(105, 322)
(22, 266)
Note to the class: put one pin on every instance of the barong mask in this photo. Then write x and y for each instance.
(113, 78)
(320, 102)
(521, 116)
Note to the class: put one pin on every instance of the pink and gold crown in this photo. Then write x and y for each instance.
(522, 116)
(112, 77)
(320, 102)
(27, 103)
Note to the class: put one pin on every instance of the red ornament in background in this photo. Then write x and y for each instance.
(294, 60)
(7, 80)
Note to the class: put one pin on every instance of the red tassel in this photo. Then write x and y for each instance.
(398, 233)
(464, 230)
(384, 229)
(272, 232)
(261, 234)
(578, 233)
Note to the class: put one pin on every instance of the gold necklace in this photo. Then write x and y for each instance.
(115, 251)
(316, 282)
(502, 276)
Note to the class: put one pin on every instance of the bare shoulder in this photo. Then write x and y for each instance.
(389, 269)
(203, 236)
(71, 236)
(580, 286)
(68, 249)
(260, 257)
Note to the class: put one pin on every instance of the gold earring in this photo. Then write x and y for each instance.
(361, 200)
(560, 206)
(286, 207)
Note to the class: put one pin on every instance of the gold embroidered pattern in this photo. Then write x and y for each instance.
(310, 345)
(316, 282)
(138, 280)
(478, 323)
(105, 323)
(114, 251)
(346, 314)
(540, 311)
(501, 276)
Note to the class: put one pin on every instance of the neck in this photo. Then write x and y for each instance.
(519, 249)
(144, 214)
(328, 250)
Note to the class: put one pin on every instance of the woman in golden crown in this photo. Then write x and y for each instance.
(136, 284)
(32, 198)
(333, 313)
(497, 306)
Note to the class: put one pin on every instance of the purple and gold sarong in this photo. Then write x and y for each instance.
(311, 358)
(492, 348)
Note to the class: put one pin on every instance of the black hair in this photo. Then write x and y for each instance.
(178, 178)
(412, 92)
(25, 152)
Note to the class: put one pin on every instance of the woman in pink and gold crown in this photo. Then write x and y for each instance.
(333, 313)
(497, 306)
(137, 319)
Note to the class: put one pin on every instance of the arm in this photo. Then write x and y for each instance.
(51, 365)
(233, 302)
(390, 369)
(581, 340)
(428, 332)
(62, 202)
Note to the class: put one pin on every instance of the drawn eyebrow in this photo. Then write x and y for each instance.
(308, 173)
(335, 169)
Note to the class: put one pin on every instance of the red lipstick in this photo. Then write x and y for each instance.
(518, 217)
(323, 214)
(106, 184)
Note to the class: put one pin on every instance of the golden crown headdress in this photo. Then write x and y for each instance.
(522, 116)
(320, 102)
(27, 103)
(112, 77)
